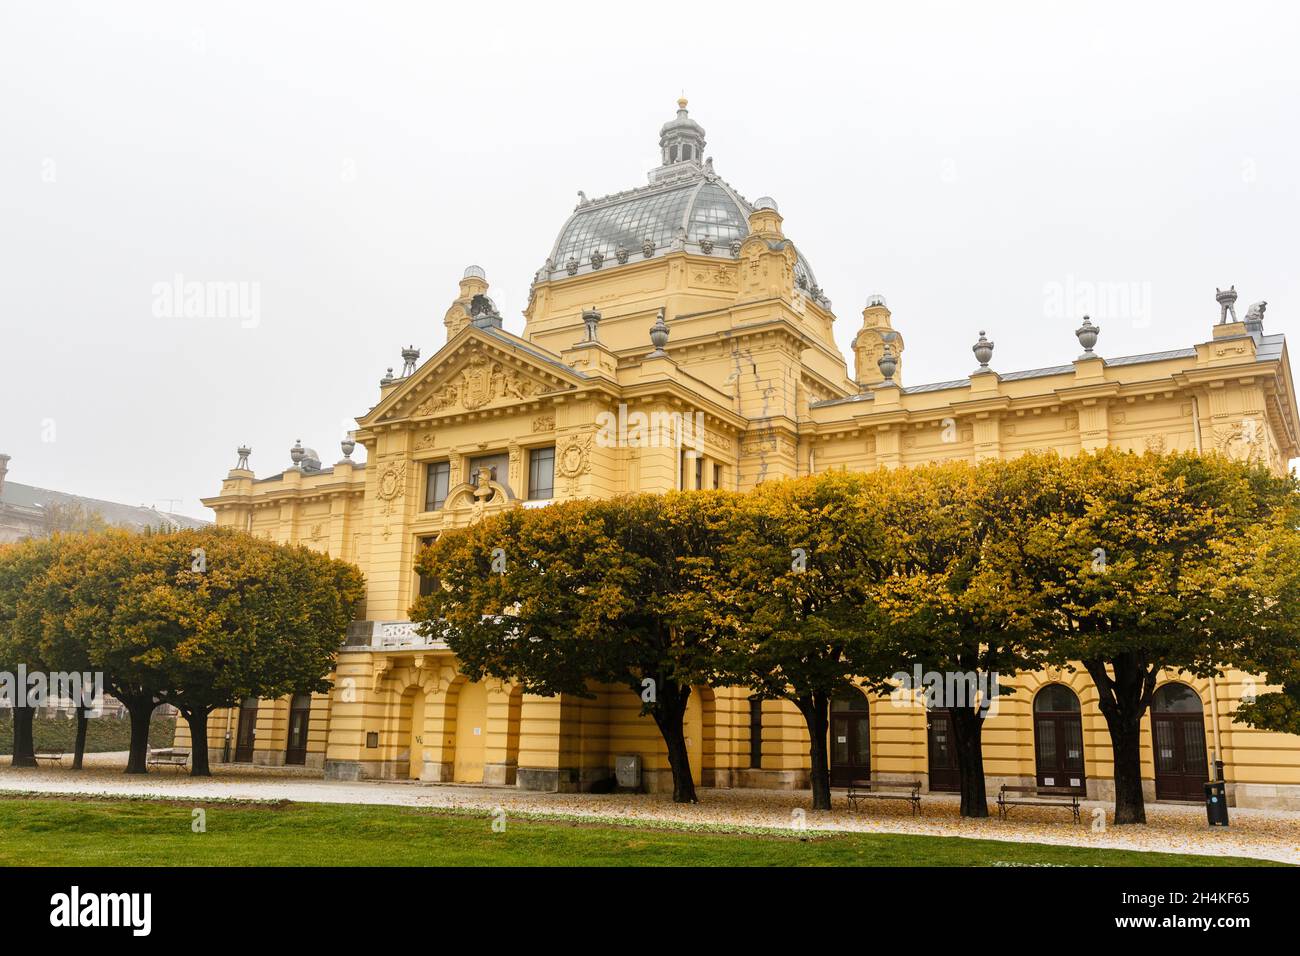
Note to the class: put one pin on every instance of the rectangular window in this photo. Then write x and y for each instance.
(717, 476)
(438, 476)
(427, 585)
(541, 474)
(756, 733)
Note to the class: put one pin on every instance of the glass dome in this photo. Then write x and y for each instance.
(654, 218)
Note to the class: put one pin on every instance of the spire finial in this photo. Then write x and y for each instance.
(681, 101)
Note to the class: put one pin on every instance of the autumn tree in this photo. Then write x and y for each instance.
(1143, 564)
(793, 596)
(23, 567)
(198, 619)
(1267, 606)
(954, 614)
(585, 592)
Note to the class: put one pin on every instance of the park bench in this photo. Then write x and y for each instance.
(55, 756)
(1011, 796)
(870, 790)
(168, 756)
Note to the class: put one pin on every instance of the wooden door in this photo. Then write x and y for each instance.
(247, 731)
(944, 776)
(1178, 743)
(850, 744)
(1058, 738)
(295, 750)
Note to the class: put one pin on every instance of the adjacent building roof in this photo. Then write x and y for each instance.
(28, 504)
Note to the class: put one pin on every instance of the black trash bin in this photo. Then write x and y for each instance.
(1216, 803)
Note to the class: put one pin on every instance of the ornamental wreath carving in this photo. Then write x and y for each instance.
(575, 458)
(392, 484)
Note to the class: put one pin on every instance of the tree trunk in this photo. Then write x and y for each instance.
(668, 711)
(1123, 700)
(79, 749)
(24, 741)
(816, 714)
(1126, 742)
(967, 733)
(141, 710)
(198, 721)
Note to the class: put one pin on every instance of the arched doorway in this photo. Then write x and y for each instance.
(944, 775)
(850, 745)
(1178, 743)
(1058, 738)
(471, 733)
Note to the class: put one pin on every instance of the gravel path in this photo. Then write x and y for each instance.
(1264, 834)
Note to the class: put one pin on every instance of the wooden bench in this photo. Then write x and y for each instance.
(1064, 797)
(168, 756)
(869, 790)
(52, 755)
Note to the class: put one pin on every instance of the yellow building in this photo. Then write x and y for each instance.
(677, 338)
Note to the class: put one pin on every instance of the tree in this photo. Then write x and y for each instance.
(1268, 603)
(792, 594)
(248, 618)
(1137, 564)
(199, 619)
(71, 517)
(585, 592)
(954, 614)
(23, 567)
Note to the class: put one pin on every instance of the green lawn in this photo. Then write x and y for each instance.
(51, 832)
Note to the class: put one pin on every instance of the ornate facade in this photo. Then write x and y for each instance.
(677, 338)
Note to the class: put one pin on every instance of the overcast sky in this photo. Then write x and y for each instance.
(984, 166)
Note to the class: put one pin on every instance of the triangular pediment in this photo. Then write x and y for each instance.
(477, 369)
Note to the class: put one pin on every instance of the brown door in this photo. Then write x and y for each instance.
(1178, 743)
(245, 733)
(943, 753)
(295, 752)
(1058, 738)
(850, 748)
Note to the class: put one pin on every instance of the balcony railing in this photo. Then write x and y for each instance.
(389, 636)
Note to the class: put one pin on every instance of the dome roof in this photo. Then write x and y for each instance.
(686, 207)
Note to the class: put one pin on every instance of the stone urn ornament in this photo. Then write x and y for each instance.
(659, 335)
(1087, 334)
(983, 350)
(888, 364)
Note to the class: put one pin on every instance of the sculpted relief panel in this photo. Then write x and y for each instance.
(480, 382)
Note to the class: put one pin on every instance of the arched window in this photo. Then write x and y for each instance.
(1058, 738)
(1178, 743)
(1177, 699)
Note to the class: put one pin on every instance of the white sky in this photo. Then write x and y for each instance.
(351, 159)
